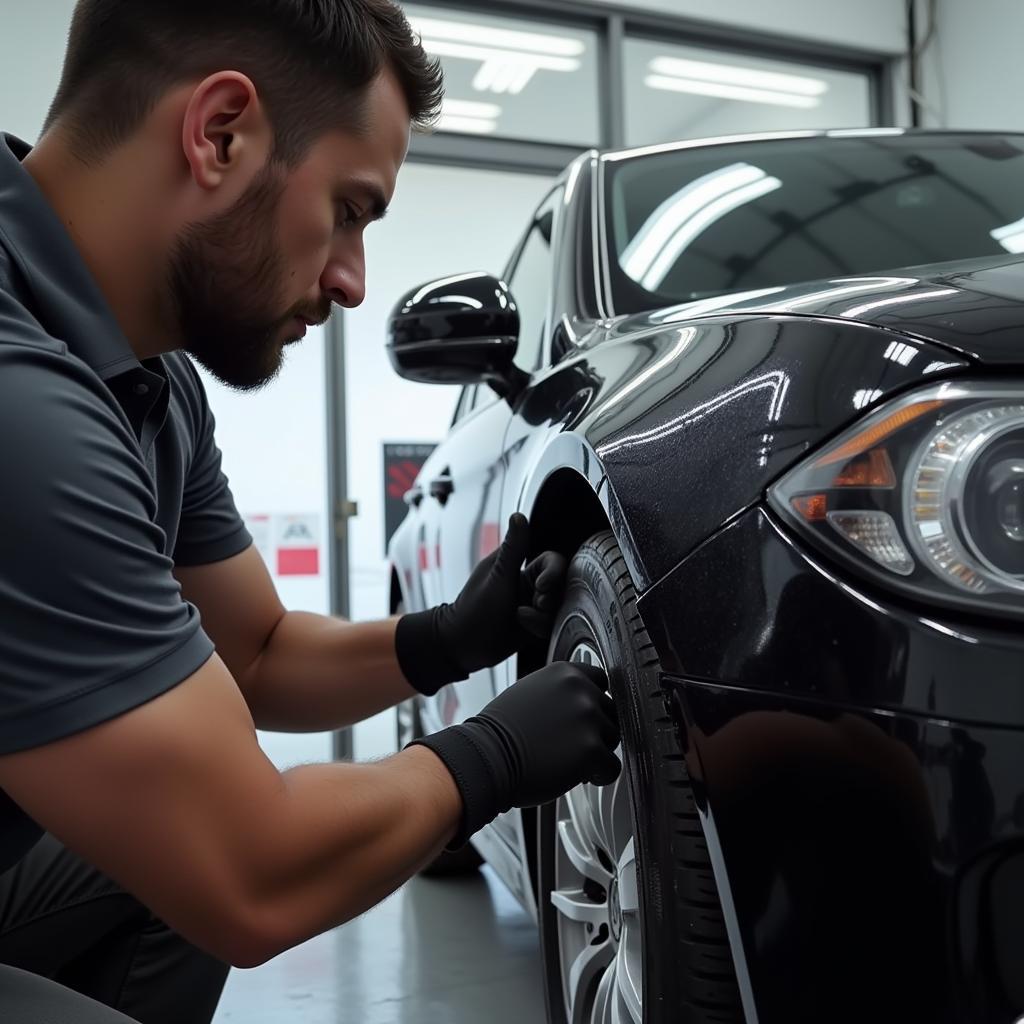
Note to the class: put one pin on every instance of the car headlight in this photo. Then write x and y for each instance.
(926, 492)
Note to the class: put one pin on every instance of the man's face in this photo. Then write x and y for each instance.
(249, 282)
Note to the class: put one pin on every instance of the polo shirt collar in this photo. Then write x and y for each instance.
(66, 300)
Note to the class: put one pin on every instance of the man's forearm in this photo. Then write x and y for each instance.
(373, 827)
(317, 673)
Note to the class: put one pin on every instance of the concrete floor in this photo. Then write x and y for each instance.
(439, 951)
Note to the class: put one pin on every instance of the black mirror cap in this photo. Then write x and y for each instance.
(458, 330)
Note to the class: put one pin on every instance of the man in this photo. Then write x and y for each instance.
(203, 184)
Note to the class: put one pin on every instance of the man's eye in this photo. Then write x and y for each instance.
(351, 217)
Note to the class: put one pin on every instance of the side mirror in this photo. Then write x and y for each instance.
(459, 330)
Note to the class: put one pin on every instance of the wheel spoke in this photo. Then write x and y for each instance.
(583, 973)
(582, 857)
(629, 978)
(601, 955)
(612, 812)
(577, 906)
(602, 1012)
(615, 1006)
(629, 890)
(581, 810)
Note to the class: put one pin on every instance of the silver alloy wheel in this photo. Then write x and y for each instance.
(406, 716)
(597, 898)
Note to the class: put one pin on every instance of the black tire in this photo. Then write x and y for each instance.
(450, 862)
(688, 973)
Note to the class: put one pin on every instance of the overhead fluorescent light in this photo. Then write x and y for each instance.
(485, 35)
(682, 217)
(508, 59)
(465, 125)
(470, 51)
(729, 81)
(468, 117)
(729, 74)
(1011, 237)
(470, 108)
(731, 92)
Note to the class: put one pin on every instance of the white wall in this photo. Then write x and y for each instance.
(443, 220)
(875, 25)
(973, 74)
(32, 41)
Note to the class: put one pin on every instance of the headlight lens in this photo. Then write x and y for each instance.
(928, 492)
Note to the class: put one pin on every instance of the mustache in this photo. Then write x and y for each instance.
(318, 315)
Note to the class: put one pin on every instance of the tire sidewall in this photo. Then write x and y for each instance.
(592, 611)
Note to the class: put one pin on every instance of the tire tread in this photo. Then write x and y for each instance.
(711, 993)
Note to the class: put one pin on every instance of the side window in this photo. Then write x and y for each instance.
(530, 284)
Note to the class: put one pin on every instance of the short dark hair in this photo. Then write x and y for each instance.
(310, 60)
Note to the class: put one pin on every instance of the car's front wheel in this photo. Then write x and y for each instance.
(631, 925)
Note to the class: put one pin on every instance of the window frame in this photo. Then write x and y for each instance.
(552, 199)
(613, 24)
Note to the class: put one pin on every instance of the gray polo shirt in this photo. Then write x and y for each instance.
(109, 477)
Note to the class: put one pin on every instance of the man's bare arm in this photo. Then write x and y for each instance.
(176, 802)
(298, 672)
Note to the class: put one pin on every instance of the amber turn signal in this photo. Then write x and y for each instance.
(872, 469)
(813, 507)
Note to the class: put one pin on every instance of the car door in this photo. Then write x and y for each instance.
(464, 487)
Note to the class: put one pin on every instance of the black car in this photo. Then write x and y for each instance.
(795, 518)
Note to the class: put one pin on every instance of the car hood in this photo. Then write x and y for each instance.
(973, 307)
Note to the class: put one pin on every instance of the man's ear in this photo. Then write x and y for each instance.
(225, 130)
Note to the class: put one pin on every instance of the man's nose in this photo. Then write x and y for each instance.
(344, 284)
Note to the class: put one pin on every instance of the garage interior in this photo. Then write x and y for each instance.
(317, 461)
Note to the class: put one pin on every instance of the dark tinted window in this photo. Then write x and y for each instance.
(695, 223)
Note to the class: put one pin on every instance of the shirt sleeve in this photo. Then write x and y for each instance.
(210, 529)
(92, 621)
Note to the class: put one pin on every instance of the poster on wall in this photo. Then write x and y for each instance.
(288, 544)
(402, 463)
(298, 545)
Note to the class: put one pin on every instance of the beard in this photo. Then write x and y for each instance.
(225, 284)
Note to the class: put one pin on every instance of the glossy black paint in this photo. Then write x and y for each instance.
(459, 330)
(857, 848)
(882, 747)
(973, 308)
(723, 407)
(859, 759)
(772, 617)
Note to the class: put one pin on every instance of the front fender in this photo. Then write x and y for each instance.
(691, 424)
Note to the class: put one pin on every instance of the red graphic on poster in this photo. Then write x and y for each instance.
(298, 547)
(401, 477)
(402, 464)
(298, 562)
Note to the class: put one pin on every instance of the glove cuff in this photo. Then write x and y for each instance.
(477, 762)
(422, 657)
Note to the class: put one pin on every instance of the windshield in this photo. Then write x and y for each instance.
(742, 217)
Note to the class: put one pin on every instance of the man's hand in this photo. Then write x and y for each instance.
(546, 734)
(501, 607)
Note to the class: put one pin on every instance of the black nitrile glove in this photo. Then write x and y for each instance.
(540, 738)
(501, 608)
